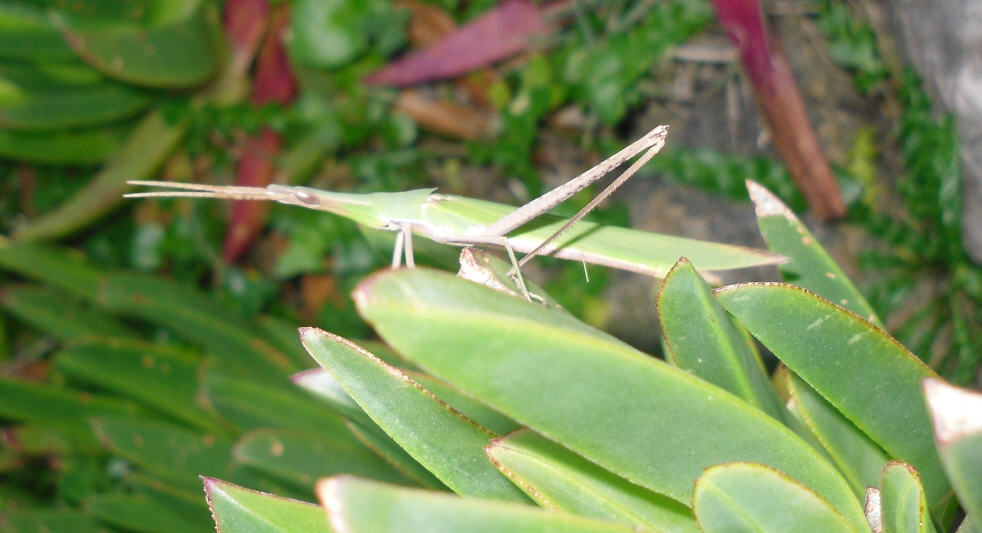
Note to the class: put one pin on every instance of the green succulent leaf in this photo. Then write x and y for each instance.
(468, 406)
(56, 267)
(302, 457)
(370, 507)
(166, 450)
(162, 377)
(444, 441)
(194, 316)
(557, 478)
(377, 441)
(249, 405)
(903, 507)
(49, 519)
(957, 417)
(59, 407)
(43, 440)
(150, 513)
(809, 266)
(88, 146)
(58, 315)
(239, 509)
(178, 48)
(145, 148)
(27, 35)
(859, 458)
(565, 380)
(701, 338)
(749, 497)
(323, 385)
(867, 375)
(58, 96)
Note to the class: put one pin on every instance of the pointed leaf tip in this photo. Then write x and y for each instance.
(955, 411)
(766, 203)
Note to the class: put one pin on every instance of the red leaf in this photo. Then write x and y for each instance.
(274, 77)
(500, 33)
(245, 22)
(781, 105)
(274, 82)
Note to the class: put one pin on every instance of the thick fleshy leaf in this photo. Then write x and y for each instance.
(320, 383)
(249, 405)
(303, 457)
(903, 507)
(165, 378)
(49, 519)
(43, 439)
(145, 149)
(810, 265)
(195, 316)
(555, 477)
(859, 458)
(58, 96)
(752, 497)
(867, 375)
(376, 440)
(58, 315)
(27, 35)
(239, 509)
(701, 338)
(178, 49)
(88, 146)
(444, 441)
(370, 507)
(166, 450)
(471, 408)
(957, 417)
(564, 379)
(62, 408)
(150, 513)
(56, 267)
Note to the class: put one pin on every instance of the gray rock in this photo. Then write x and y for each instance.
(943, 40)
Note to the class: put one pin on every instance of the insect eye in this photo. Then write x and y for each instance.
(307, 197)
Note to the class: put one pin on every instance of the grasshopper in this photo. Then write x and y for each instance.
(412, 211)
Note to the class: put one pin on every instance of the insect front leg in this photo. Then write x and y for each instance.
(404, 243)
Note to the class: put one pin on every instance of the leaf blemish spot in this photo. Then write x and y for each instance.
(817, 322)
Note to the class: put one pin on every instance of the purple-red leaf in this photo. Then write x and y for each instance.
(500, 33)
(781, 105)
(274, 82)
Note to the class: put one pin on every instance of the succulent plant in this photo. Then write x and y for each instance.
(547, 410)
